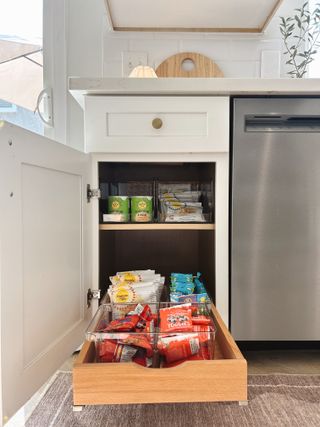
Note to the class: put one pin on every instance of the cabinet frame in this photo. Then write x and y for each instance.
(221, 202)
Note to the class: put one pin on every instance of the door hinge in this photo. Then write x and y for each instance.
(93, 193)
(92, 294)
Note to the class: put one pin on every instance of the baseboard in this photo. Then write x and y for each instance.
(278, 345)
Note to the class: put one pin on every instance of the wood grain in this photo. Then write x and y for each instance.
(152, 226)
(203, 66)
(232, 29)
(271, 15)
(222, 379)
(190, 30)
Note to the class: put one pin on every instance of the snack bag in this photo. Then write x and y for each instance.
(176, 319)
(137, 340)
(126, 324)
(182, 283)
(123, 277)
(201, 320)
(199, 286)
(135, 292)
(202, 298)
(141, 358)
(179, 347)
(144, 313)
(181, 277)
(110, 351)
(188, 298)
(175, 296)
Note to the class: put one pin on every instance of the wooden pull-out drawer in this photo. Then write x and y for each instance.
(221, 379)
(156, 124)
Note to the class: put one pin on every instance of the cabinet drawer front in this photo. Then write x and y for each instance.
(156, 124)
(143, 124)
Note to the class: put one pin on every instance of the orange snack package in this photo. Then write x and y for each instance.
(176, 319)
(201, 320)
(138, 340)
(111, 352)
(127, 323)
(178, 347)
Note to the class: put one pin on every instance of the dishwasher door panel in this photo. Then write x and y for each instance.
(275, 229)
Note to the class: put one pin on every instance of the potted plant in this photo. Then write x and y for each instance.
(300, 35)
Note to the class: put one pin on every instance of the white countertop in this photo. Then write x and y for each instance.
(79, 86)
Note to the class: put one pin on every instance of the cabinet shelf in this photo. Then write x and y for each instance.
(157, 226)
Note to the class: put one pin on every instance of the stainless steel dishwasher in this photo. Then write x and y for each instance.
(275, 219)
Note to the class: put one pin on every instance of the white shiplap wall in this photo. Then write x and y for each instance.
(237, 55)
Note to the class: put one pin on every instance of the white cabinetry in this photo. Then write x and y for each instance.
(49, 235)
(169, 124)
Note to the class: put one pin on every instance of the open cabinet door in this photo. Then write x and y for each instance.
(45, 259)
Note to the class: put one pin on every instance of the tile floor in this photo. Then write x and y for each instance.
(284, 361)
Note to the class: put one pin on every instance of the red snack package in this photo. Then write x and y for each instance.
(138, 340)
(144, 313)
(111, 352)
(206, 338)
(125, 324)
(175, 319)
(141, 359)
(203, 332)
(178, 347)
(202, 355)
(149, 330)
(201, 320)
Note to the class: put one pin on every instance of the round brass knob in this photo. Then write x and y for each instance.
(157, 123)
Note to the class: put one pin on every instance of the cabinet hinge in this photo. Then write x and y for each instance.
(93, 193)
(92, 294)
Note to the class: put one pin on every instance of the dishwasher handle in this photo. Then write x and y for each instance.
(281, 123)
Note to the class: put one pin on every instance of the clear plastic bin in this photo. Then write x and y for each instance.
(149, 343)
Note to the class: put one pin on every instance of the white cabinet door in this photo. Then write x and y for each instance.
(44, 259)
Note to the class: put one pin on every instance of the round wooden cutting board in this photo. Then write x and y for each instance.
(188, 64)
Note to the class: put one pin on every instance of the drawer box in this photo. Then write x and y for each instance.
(221, 379)
(156, 124)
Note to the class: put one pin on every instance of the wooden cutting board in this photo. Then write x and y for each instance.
(202, 66)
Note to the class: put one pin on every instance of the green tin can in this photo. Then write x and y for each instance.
(141, 209)
(119, 205)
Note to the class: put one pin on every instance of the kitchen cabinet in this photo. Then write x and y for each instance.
(166, 124)
(52, 241)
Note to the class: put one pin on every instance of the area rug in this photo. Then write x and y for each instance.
(274, 400)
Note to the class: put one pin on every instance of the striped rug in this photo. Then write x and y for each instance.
(274, 400)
